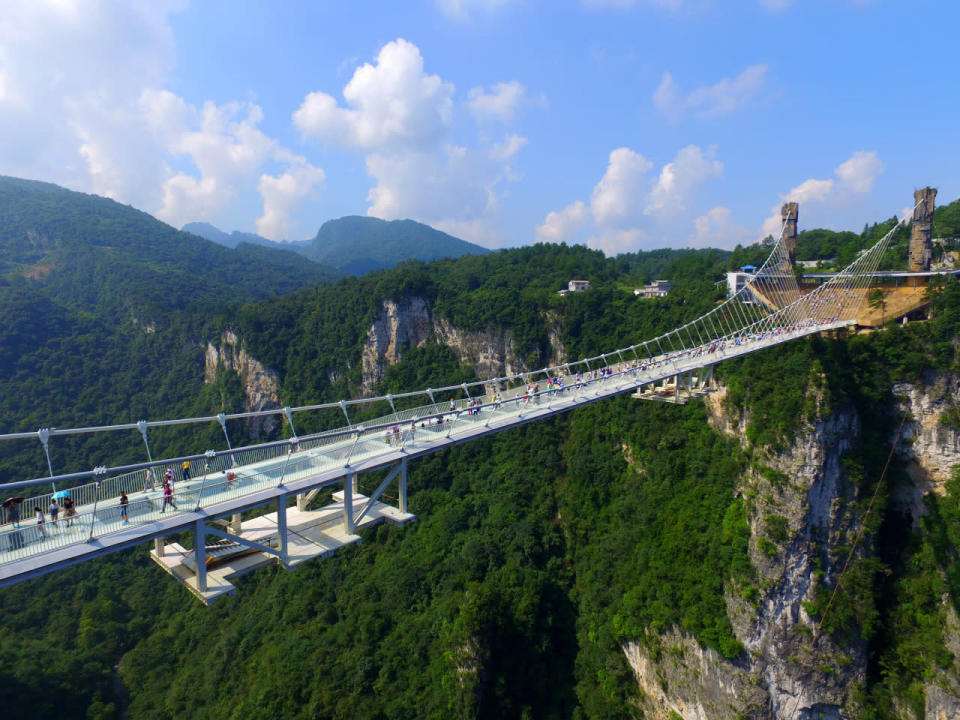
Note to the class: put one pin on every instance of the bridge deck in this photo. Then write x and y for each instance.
(98, 529)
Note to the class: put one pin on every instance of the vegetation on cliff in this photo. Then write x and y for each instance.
(536, 553)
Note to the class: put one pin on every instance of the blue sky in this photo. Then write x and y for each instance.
(624, 124)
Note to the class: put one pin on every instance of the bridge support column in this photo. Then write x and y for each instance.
(348, 484)
(200, 553)
(235, 524)
(403, 486)
(159, 545)
(282, 527)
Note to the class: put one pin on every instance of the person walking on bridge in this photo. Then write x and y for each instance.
(15, 513)
(168, 497)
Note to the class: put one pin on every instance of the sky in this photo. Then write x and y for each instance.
(623, 124)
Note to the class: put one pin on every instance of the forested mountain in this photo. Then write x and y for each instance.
(357, 245)
(102, 307)
(627, 560)
(98, 255)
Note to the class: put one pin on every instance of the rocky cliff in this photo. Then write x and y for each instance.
(261, 385)
(411, 322)
(930, 446)
(802, 520)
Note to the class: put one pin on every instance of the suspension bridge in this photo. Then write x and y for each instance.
(305, 488)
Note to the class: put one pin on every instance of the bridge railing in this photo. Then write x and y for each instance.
(732, 320)
(274, 464)
(253, 469)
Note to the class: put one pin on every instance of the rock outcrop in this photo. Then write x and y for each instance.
(398, 325)
(800, 488)
(930, 446)
(803, 489)
(261, 385)
(410, 322)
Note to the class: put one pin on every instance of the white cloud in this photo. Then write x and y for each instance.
(678, 179)
(501, 103)
(392, 104)
(561, 226)
(82, 104)
(401, 119)
(71, 76)
(617, 198)
(453, 184)
(854, 177)
(227, 148)
(860, 171)
(811, 190)
(717, 229)
(721, 98)
(504, 151)
(666, 98)
(282, 195)
(631, 209)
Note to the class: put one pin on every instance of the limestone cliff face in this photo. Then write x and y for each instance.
(397, 325)
(775, 677)
(261, 385)
(809, 492)
(806, 489)
(408, 323)
(931, 447)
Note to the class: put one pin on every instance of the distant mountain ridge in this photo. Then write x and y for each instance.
(231, 240)
(356, 245)
(98, 255)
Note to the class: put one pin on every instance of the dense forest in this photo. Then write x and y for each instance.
(536, 553)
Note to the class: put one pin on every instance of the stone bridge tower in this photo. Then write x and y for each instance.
(921, 250)
(790, 212)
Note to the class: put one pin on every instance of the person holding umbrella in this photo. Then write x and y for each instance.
(12, 504)
(68, 512)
